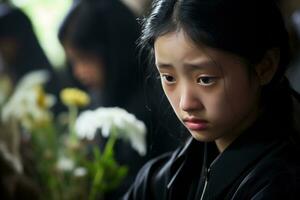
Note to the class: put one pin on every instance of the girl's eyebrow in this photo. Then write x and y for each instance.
(163, 65)
(200, 65)
(189, 66)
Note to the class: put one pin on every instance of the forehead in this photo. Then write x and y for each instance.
(178, 47)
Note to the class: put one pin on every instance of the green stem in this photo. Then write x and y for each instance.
(96, 182)
(100, 170)
(73, 112)
(109, 147)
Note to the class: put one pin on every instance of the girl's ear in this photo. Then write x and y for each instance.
(266, 69)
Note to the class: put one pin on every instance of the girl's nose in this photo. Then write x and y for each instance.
(190, 100)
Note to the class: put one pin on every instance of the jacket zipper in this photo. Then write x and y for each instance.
(207, 171)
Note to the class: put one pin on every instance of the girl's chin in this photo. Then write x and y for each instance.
(202, 136)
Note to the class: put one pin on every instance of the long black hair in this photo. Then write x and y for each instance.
(29, 56)
(246, 28)
(107, 29)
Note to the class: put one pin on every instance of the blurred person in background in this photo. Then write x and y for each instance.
(102, 61)
(20, 50)
(20, 53)
(99, 38)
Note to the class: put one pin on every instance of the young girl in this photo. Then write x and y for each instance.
(222, 64)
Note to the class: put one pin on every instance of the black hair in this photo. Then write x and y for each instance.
(14, 24)
(28, 55)
(109, 30)
(246, 28)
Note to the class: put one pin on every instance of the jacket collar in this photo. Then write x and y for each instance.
(191, 147)
(264, 136)
(243, 153)
(239, 157)
(186, 164)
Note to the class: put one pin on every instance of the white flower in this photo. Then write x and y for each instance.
(127, 126)
(65, 164)
(80, 172)
(29, 104)
(33, 79)
(86, 125)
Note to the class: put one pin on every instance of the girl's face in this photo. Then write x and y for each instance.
(211, 91)
(88, 69)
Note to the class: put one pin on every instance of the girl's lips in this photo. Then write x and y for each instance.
(195, 124)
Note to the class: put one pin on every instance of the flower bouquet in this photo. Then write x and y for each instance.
(66, 156)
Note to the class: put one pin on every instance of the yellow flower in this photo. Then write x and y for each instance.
(74, 97)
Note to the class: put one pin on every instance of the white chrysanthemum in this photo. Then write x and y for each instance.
(33, 79)
(126, 126)
(29, 104)
(86, 125)
(65, 164)
(80, 171)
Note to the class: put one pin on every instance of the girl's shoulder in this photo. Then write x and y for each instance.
(142, 187)
(153, 178)
(276, 176)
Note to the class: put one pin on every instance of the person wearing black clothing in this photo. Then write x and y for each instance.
(260, 164)
(222, 66)
(20, 51)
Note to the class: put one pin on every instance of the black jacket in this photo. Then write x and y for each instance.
(263, 163)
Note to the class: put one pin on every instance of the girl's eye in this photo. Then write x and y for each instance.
(206, 80)
(168, 79)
